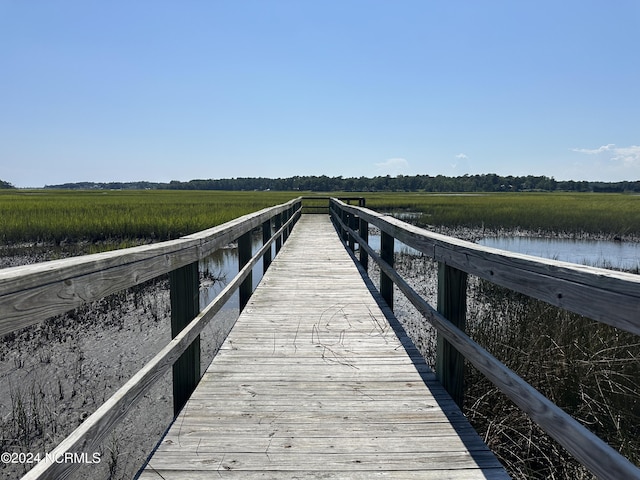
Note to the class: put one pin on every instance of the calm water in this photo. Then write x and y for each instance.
(599, 253)
(223, 264)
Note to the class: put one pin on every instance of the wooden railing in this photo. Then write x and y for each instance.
(33, 293)
(603, 295)
(320, 203)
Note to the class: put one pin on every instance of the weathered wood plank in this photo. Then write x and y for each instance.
(299, 444)
(325, 475)
(228, 431)
(313, 380)
(585, 290)
(32, 293)
(585, 446)
(271, 460)
(93, 430)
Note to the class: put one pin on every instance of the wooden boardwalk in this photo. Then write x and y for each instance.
(316, 380)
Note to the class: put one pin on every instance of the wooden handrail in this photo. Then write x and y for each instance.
(32, 293)
(52, 276)
(585, 290)
(515, 271)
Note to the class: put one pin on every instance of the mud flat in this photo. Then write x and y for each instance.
(55, 374)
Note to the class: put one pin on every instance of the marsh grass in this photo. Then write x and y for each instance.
(587, 368)
(114, 218)
(550, 213)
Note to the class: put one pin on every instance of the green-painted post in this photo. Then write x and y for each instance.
(363, 230)
(277, 224)
(452, 304)
(266, 236)
(185, 305)
(285, 219)
(353, 225)
(386, 253)
(244, 255)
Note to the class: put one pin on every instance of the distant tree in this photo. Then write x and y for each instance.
(490, 182)
(4, 184)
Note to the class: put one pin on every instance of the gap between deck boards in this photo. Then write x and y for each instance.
(317, 379)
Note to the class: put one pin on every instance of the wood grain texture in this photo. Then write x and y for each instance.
(32, 293)
(314, 382)
(586, 447)
(588, 291)
(88, 436)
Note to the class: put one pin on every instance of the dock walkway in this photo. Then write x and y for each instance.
(317, 380)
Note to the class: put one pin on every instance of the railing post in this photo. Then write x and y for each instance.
(292, 213)
(244, 255)
(345, 221)
(266, 236)
(353, 225)
(277, 223)
(452, 304)
(185, 305)
(337, 215)
(386, 253)
(363, 230)
(285, 219)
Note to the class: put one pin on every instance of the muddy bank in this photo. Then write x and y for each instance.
(55, 374)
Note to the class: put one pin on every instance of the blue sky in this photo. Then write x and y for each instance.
(160, 91)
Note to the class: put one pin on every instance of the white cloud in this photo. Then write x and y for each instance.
(393, 166)
(595, 151)
(627, 156)
(462, 156)
(622, 156)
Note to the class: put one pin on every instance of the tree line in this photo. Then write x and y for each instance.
(401, 183)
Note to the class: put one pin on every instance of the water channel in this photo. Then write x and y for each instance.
(613, 254)
(597, 253)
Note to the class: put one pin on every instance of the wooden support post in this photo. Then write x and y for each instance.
(337, 215)
(353, 225)
(293, 214)
(244, 255)
(363, 230)
(277, 224)
(386, 253)
(345, 220)
(285, 219)
(452, 304)
(266, 236)
(185, 305)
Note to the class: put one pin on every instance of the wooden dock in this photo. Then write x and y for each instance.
(317, 380)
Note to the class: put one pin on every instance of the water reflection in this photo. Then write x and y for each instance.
(221, 267)
(599, 253)
(398, 247)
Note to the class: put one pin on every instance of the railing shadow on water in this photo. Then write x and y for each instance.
(606, 296)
